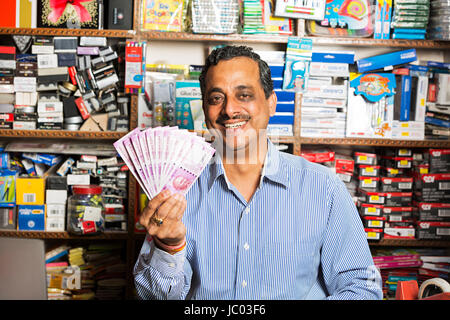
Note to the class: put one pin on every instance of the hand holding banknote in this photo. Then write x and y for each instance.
(166, 161)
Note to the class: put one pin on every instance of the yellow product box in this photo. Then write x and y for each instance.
(30, 191)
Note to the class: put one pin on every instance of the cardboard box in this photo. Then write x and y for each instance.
(55, 224)
(368, 170)
(398, 199)
(432, 182)
(56, 210)
(31, 217)
(399, 233)
(367, 209)
(439, 160)
(373, 222)
(30, 191)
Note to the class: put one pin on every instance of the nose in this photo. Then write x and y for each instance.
(231, 107)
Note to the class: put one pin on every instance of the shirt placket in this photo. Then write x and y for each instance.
(245, 259)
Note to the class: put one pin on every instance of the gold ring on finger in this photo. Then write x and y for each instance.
(157, 221)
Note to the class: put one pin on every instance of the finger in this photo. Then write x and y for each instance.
(168, 207)
(153, 206)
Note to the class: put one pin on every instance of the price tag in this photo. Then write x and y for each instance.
(92, 214)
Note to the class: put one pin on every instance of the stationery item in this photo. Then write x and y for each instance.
(164, 158)
(162, 15)
(70, 14)
(298, 58)
(135, 67)
(311, 10)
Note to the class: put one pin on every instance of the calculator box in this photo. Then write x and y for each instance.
(435, 230)
(368, 182)
(432, 182)
(439, 160)
(30, 191)
(31, 217)
(367, 209)
(373, 222)
(391, 172)
(365, 158)
(374, 233)
(368, 170)
(396, 184)
(397, 162)
(398, 199)
(398, 214)
(372, 197)
(399, 232)
(433, 211)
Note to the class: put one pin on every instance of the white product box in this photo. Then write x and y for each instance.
(55, 196)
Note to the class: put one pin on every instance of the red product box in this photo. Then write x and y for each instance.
(396, 184)
(374, 233)
(398, 199)
(365, 158)
(435, 230)
(368, 182)
(367, 209)
(373, 197)
(6, 117)
(391, 172)
(318, 155)
(368, 171)
(344, 164)
(373, 222)
(82, 108)
(432, 182)
(431, 96)
(397, 162)
(439, 160)
(398, 214)
(433, 211)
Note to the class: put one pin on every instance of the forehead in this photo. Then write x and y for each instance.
(242, 70)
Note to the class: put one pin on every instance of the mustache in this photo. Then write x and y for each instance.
(225, 117)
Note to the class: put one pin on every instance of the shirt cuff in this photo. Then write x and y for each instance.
(166, 263)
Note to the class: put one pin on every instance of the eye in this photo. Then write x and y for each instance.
(215, 99)
(245, 96)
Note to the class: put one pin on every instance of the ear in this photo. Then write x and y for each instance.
(272, 101)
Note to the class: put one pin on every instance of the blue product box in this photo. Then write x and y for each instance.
(285, 106)
(285, 95)
(282, 118)
(4, 160)
(386, 60)
(277, 83)
(276, 71)
(333, 57)
(31, 217)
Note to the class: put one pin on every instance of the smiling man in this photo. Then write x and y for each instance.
(258, 223)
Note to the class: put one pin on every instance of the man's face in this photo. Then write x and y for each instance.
(234, 103)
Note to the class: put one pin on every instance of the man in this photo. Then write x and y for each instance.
(258, 223)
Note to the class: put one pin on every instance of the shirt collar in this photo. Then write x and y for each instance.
(273, 169)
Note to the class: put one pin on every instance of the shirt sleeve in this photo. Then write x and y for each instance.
(159, 275)
(347, 264)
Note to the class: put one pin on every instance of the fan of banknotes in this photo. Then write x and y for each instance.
(164, 158)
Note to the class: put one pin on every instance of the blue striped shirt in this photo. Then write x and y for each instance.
(299, 237)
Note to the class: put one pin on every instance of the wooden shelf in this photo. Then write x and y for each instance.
(267, 38)
(378, 142)
(69, 32)
(62, 134)
(410, 243)
(62, 235)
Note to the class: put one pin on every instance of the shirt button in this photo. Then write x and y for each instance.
(244, 284)
(246, 246)
(171, 264)
(247, 210)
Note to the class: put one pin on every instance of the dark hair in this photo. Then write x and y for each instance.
(230, 52)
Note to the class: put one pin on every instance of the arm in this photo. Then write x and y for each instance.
(161, 271)
(160, 275)
(347, 264)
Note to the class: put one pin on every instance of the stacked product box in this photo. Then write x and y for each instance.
(34, 189)
(324, 103)
(282, 123)
(385, 192)
(432, 195)
(410, 19)
(437, 118)
(65, 83)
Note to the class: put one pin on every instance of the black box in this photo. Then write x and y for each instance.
(434, 230)
(118, 14)
(433, 211)
(439, 160)
(69, 19)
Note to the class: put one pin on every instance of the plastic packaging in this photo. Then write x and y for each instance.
(215, 16)
(85, 210)
(344, 18)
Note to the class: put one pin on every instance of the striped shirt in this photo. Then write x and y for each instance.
(299, 237)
